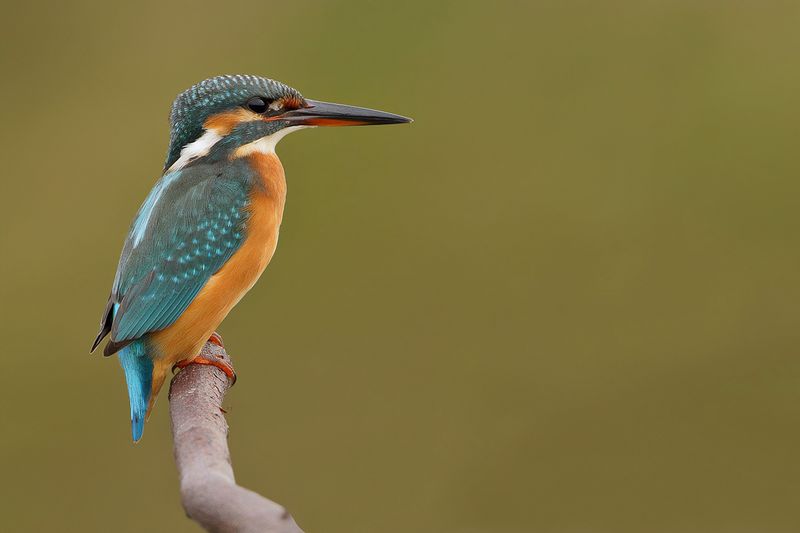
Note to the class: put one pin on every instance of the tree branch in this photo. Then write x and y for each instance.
(209, 492)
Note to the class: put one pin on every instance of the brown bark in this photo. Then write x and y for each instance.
(209, 492)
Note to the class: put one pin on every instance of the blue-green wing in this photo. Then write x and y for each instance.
(192, 222)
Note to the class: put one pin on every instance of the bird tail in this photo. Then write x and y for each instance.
(138, 368)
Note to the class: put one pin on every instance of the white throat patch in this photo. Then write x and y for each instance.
(266, 145)
(202, 145)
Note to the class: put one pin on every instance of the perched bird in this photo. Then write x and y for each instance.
(209, 227)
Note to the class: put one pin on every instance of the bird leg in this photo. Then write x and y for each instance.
(213, 353)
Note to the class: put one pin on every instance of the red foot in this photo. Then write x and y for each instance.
(215, 338)
(213, 356)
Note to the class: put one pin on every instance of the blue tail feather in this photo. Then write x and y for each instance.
(138, 369)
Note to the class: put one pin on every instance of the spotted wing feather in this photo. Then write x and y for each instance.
(189, 226)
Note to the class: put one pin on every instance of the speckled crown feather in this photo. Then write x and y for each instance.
(193, 106)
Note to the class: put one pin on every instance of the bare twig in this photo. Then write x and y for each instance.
(209, 492)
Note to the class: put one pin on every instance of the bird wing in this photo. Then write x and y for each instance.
(191, 223)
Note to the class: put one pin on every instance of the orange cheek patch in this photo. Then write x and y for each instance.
(290, 102)
(223, 123)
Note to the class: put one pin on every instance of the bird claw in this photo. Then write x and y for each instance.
(216, 338)
(213, 353)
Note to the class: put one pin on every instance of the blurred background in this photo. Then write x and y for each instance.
(563, 300)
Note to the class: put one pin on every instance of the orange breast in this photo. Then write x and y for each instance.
(184, 338)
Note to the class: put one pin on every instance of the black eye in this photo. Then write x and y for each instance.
(257, 104)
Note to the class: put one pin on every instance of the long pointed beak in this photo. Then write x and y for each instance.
(327, 114)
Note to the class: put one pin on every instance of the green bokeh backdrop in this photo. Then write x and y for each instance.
(563, 300)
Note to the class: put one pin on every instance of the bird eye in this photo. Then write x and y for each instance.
(257, 104)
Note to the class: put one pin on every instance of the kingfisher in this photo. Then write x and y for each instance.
(209, 226)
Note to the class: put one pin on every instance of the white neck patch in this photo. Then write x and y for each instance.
(197, 148)
(266, 145)
(203, 144)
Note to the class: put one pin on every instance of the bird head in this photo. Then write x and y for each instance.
(228, 115)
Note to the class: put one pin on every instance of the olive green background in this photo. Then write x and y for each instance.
(563, 300)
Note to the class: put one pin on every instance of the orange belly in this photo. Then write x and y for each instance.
(185, 337)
